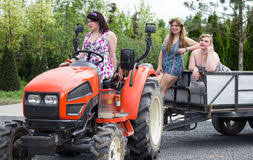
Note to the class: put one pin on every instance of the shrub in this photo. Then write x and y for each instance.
(9, 76)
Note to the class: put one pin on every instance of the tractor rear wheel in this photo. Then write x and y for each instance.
(148, 126)
(9, 135)
(227, 126)
(110, 144)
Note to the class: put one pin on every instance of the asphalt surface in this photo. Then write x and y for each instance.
(203, 143)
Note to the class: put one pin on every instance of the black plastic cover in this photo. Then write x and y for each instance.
(127, 59)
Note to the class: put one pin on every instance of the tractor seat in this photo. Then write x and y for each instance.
(107, 83)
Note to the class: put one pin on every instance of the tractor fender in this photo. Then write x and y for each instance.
(131, 95)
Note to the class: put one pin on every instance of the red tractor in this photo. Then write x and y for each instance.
(69, 110)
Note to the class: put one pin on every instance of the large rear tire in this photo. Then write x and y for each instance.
(148, 127)
(250, 123)
(110, 144)
(229, 127)
(9, 135)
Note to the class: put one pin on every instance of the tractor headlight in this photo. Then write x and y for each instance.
(34, 99)
(51, 99)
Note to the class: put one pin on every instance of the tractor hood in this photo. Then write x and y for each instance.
(60, 79)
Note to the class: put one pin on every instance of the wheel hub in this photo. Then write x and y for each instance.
(155, 120)
(115, 151)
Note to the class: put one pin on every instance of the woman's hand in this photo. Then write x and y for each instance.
(64, 64)
(195, 74)
(159, 70)
(182, 50)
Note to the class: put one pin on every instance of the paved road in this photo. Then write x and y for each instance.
(203, 143)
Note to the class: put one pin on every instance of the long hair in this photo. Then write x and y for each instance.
(98, 17)
(171, 35)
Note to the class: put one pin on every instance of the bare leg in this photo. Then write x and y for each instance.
(159, 78)
(166, 82)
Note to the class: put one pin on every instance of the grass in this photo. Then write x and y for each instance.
(12, 97)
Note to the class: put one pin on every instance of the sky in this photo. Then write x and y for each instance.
(164, 9)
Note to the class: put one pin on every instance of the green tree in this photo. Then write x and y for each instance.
(194, 29)
(9, 77)
(11, 23)
(26, 66)
(238, 8)
(145, 16)
(248, 52)
(67, 15)
(215, 28)
(40, 17)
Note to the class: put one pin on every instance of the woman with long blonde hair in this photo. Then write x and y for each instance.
(170, 62)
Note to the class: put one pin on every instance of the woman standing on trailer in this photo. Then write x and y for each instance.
(102, 41)
(170, 62)
(205, 58)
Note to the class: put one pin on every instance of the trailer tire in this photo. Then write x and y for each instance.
(251, 123)
(9, 134)
(224, 126)
(148, 127)
(109, 143)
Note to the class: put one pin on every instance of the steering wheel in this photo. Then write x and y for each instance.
(89, 56)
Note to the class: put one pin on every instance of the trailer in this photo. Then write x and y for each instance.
(224, 97)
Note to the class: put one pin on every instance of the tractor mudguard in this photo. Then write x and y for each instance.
(131, 95)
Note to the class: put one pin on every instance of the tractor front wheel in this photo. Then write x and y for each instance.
(148, 126)
(228, 126)
(9, 136)
(109, 143)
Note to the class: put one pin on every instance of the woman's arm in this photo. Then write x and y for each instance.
(212, 60)
(112, 39)
(67, 63)
(160, 59)
(191, 45)
(192, 65)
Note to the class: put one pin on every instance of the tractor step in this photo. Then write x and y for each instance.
(39, 145)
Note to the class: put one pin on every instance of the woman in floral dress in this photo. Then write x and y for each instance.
(102, 41)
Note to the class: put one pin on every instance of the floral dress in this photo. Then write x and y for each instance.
(101, 46)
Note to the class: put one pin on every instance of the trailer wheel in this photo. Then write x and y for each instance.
(109, 143)
(148, 126)
(227, 126)
(9, 135)
(251, 123)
